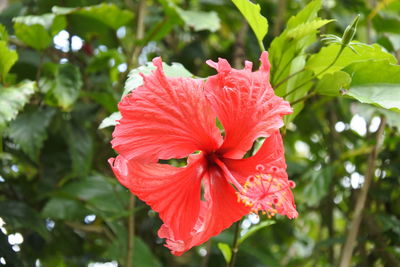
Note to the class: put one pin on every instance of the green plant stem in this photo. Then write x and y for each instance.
(315, 75)
(311, 94)
(131, 232)
(261, 44)
(235, 245)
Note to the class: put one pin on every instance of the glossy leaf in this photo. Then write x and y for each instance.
(111, 120)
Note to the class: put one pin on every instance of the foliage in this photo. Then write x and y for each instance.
(64, 65)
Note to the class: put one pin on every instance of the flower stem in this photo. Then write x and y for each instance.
(235, 245)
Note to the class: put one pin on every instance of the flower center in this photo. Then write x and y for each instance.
(268, 193)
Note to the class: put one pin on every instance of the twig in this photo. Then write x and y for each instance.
(347, 250)
(235, 245)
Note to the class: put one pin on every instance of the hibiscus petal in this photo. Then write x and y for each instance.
(271, 155)
(165, 118)
(246, 105)
(219, 210)
(172, 192)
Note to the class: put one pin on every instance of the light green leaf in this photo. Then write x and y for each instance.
(13, 99)
(226, 251)
(8, 58)
(3, 33)
(200, 20)
(317, 185)
(135, 79)
(105, 13)
(29, 131)
(382, 90)
(307, 28)
(37, 31)
(110, 120)
(67, 85)
(332, 83)
(252, 14)
(323, 58)
(254, 230)
(285, 48)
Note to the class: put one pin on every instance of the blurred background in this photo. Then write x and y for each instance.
(63, 66)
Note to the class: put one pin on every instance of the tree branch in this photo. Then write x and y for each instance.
(347, 249)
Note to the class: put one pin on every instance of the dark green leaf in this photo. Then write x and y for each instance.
(64, 209)
(29, 131)
(18, 215)
(254, 230)
(80, 144)
(67, 85)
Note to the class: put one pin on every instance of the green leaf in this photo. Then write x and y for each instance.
(8, 58)
(254, 230)
(110, 120)
(18, 215)
(332, 83)
(317, 185)
(29, 131)
(326, 55)
(199, 20)
(105, 13)
(64, 209)
(37, 31)
(226, 251)
(307, 28)
(3, 33)
(13, 99)
(67, 85)
(80, 145)
(100, 193)
(382, 90)
(252, 14)
(142, 255)
(135, 79)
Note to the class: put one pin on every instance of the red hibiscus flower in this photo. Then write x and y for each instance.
(176, 118)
